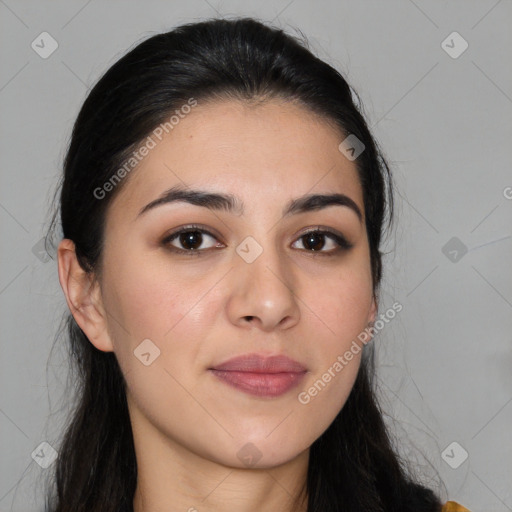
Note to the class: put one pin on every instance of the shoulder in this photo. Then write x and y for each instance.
(452, 506)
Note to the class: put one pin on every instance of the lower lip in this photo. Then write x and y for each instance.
(260, 384)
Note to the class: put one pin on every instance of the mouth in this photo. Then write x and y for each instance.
(259, 375)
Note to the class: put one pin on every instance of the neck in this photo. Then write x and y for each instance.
(172, 478)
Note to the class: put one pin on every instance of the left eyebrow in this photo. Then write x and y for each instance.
(312, 202)
(232, 204)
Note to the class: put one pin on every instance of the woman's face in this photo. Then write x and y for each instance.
(243, 282)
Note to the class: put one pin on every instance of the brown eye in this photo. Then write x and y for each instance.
(190, 240)
(314, 241)
(318, 240)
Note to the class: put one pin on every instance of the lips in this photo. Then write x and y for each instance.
(260, 375)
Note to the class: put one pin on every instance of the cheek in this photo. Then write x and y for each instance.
(342, 305)
(147, 301)
(146, 298)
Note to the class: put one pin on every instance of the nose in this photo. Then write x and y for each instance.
(263, 293)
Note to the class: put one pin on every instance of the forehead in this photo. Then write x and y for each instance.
(265, 154)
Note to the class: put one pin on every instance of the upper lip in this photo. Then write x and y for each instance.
(256, 363)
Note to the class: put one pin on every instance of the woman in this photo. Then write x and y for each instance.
(222, 208)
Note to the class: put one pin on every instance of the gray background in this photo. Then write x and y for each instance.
(445, 125)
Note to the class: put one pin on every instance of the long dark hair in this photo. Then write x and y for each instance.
(353, 465)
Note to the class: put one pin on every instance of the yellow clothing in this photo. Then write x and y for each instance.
(452, 506)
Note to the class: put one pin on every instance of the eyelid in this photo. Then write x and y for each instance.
(189, 227)
(338, 237)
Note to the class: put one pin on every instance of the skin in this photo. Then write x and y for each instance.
(188, 425)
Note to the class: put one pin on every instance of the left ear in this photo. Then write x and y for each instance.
(372, 315)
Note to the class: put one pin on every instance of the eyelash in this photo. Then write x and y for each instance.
(343, 244)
